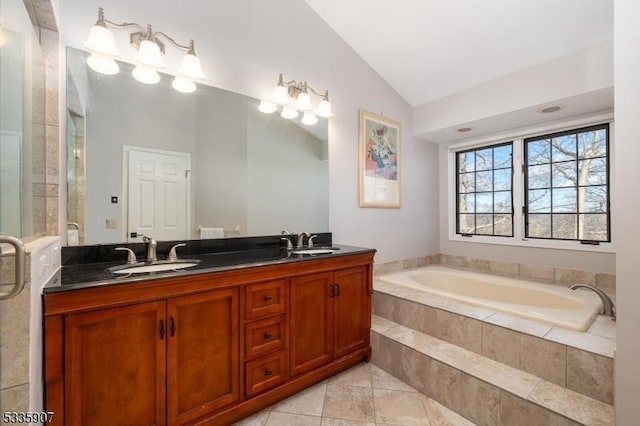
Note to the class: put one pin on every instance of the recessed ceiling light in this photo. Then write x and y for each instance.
(550, 109)
(463, 129)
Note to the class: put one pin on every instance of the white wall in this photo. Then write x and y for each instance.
(243, 47)
(586, 71)
(627, 105)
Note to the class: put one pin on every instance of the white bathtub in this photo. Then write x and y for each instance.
(551, 304)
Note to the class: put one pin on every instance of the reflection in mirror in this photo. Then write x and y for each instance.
(146, 159)
(22, 125)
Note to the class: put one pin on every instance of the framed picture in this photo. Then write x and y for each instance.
(379, 161)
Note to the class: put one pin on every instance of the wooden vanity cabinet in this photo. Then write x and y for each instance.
(176, 359)
(204, 349)
(115, 366)
(330, 316)
(203, 346)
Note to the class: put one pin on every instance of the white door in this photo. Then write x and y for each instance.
(158, 188)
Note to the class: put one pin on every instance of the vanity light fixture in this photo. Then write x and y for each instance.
(295, 97)
(101, 44)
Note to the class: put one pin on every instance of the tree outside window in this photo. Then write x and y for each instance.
(567, 185)
(484, 193)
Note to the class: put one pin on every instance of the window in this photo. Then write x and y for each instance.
(567, 185)
(484, 197)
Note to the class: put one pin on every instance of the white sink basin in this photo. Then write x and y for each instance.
(313, 251)
(160, 267)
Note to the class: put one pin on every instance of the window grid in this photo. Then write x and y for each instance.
(578, 202)
(492, 191)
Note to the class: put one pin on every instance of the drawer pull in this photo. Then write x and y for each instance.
(266, 298)
(268, 372)
(267, 336)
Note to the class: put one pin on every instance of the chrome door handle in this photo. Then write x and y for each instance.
(19, 267)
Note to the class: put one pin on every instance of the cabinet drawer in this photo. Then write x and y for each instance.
(264, 336)
(265, 299)
(266, 372)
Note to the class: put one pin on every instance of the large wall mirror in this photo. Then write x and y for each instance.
(146, 159)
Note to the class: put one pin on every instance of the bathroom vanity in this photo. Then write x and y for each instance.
(208, 345)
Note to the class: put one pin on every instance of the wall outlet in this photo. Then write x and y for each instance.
(112, 224)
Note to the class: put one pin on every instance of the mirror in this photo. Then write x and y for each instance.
(146, 159)
(23, 176)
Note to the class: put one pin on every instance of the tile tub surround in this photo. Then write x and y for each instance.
(536, 273)
(363, 395)
(482, 390)
(582, 362)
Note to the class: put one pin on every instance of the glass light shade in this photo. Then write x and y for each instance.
(309, 119)
(2, 39)
(280, 95)
(288, 113)
(101, 41)
(149, 54)
(267, 107)
(303, 102)
(103, 64)
(184, 85)
(191, 67)
(324, 109)
(145, 74)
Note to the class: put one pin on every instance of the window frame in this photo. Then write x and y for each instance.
(577, 214)
(493, 191)
(517, 137)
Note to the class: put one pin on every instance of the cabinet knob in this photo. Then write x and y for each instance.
(268, 372)
(161, 329)
(266, 298)
(267, 336)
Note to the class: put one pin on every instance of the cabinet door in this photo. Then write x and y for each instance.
(352, 310)
(311, 323)
(204, 350)
(115, 365)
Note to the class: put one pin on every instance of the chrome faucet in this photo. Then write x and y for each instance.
(151, 248)
(300, 241)
(607, 305)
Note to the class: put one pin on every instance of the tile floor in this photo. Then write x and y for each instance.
(363, 395)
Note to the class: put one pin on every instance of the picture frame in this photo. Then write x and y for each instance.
(379, 148)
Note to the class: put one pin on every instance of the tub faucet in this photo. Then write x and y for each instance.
(607, 305)
(151, 248)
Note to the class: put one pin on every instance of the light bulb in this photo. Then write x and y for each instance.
(288, 113)
(280, 95)
(324, 109)
(2, 39)
(103, 64)
(309, 119)
(149, 54)
(145, 74)
(182, 84)
(191, 67)
(101, 41)
(267, 107)
(303, 102)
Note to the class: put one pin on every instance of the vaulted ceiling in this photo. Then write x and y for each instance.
(430, 49)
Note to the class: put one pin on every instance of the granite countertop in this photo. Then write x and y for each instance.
(87, 275)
